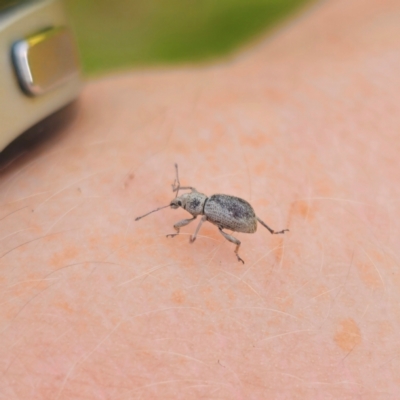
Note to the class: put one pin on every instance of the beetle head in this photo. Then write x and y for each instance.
(176, 203)
(191, 202)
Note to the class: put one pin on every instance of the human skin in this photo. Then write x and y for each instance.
(305, 126)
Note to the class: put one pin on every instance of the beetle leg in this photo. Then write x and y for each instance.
(271, 230)
(179, 225)
(193, 237)
(175, 188)
(233, 240)
(176, 184)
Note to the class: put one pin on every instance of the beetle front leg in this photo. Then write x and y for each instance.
(176, 186)
(179, 225)
(232, 240)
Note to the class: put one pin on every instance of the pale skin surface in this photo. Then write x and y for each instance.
(306, 127)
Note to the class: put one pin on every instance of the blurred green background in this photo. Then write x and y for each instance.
(123, 33)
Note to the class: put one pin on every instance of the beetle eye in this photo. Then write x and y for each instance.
(179, 203)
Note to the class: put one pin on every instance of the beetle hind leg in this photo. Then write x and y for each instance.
(271, 230)
(232, 240)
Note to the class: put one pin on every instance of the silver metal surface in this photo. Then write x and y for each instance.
(45, 61)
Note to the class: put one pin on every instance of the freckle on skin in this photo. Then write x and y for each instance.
(63, 305)
(116, 241)
(62, 258)
(178, 297)
(325, 188)
(301, 208)
(278, 249)
(128, 180)
(369, 275)
(347, 334)
(257, 140)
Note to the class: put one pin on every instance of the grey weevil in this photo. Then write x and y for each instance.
(222, 210)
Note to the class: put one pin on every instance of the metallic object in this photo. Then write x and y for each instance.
(224, 211)
(39, 67)
(45, 61)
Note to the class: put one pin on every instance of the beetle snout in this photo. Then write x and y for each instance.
(176, 203)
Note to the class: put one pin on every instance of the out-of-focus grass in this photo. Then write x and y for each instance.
(121, 33)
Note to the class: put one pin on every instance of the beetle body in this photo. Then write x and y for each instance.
(222, 210)
(230, 212)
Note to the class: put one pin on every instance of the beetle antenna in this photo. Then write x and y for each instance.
(176, 185)
(159, 208)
